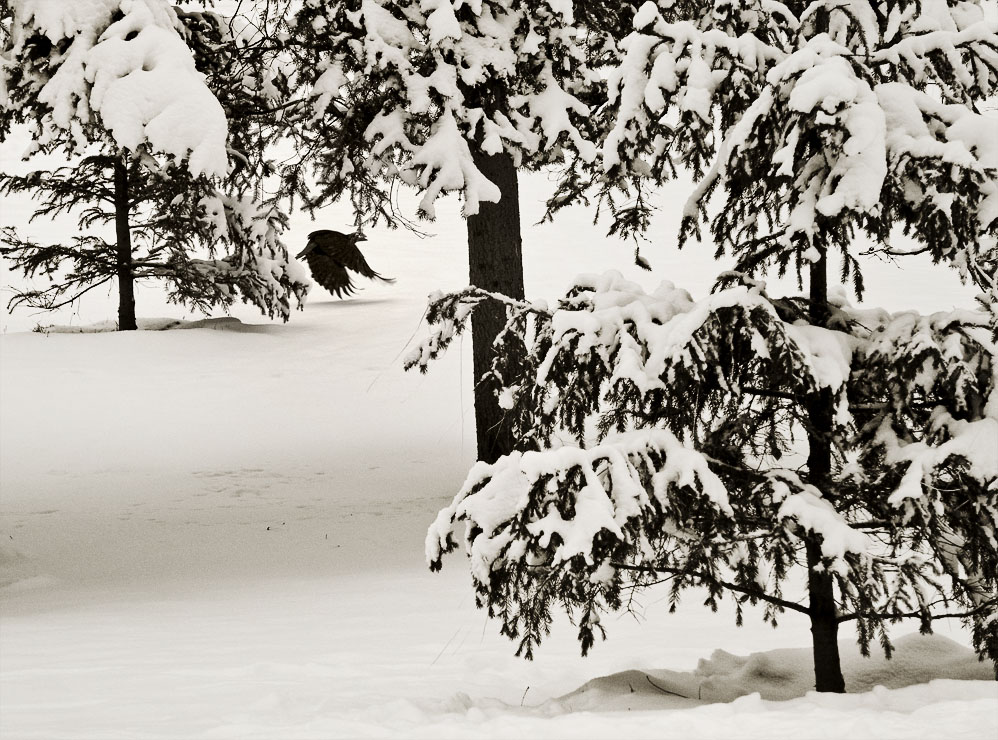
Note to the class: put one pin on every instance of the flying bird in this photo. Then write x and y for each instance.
(330, 254)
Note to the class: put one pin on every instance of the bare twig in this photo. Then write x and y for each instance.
(664, 691)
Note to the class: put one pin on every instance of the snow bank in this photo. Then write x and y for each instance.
(925, 670)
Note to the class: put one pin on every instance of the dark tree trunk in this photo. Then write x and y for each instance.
(126, 280)
(824, 625)
(821, 589)
(495, 259)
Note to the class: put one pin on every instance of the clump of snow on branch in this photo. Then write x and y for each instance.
(501, 498)
(258, 266)
(495, 77)
(122, 64)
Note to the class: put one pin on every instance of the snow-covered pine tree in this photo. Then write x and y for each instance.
(731, 442)
(445, 97)
(136, 97)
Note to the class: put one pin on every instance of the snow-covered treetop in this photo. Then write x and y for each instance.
(418, 88)
(818, 119)
(117, 65)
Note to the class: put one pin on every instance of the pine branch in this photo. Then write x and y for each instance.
(41, 299)
(708, 578)
(985, 608)
(752, 390)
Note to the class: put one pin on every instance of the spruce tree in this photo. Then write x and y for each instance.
(733, 441)
(139, 101)
(445, 97)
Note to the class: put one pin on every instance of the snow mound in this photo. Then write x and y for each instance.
(224, 323)
(631, 691)
(787, 674)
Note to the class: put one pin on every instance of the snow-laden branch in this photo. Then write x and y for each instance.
(123, 66)
(831, 122)
(421, 89)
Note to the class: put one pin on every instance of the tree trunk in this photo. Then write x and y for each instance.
(495, 259)
(824, 624)
(821, 589)
(126, 280)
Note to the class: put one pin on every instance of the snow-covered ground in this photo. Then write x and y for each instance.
(218, 532)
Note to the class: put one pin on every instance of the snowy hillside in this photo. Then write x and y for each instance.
(217, 531)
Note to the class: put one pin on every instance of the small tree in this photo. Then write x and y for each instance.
(125, 94)
(446, 97)
(731, 441)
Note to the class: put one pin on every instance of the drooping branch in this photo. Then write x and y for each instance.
(46, 299)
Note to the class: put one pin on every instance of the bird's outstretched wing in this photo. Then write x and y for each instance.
(347, 254)
(330, 273)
